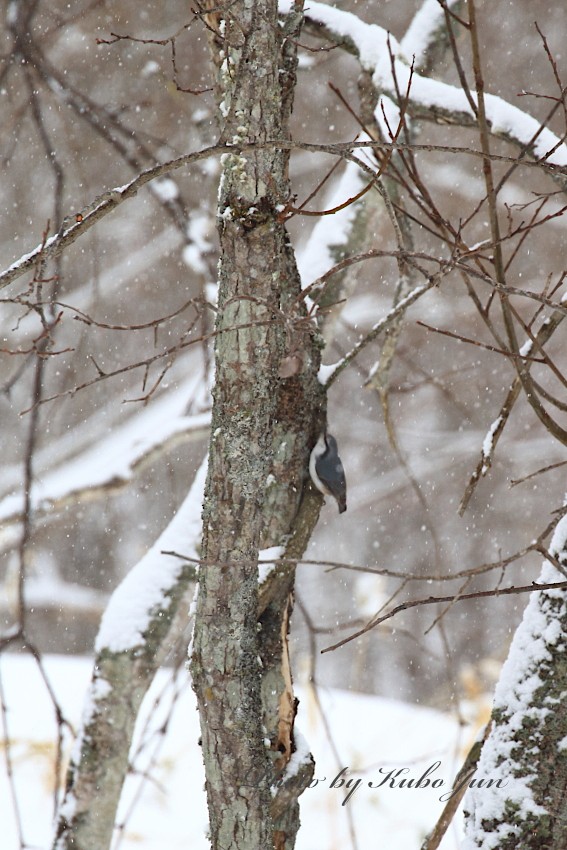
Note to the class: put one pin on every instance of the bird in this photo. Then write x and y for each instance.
(327, 471)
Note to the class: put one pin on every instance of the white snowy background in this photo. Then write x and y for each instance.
(371, 736)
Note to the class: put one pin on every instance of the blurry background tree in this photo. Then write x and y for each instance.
(107, 345)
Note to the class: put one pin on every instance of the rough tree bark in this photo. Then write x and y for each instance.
(263, 427)
(524, 759)
(125, 664)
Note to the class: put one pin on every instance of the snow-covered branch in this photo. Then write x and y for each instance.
(79, 222)
(429, 99)
(109, 465)
(328, 375)
(426, 30)
(129, 647)
(527, 807)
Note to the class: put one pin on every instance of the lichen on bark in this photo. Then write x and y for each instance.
(262, 430)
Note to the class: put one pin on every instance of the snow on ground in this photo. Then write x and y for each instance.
(374, 737)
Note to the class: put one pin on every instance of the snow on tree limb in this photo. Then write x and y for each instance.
(129, 647)
(429, 99)
(505, 120)
(145, 590)
(528, 806)
(330, 236)
(329, 377)
(111, 463)
(74, 225)
(424, 30)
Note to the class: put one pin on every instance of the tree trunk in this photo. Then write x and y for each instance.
(263, 427)
(518, 797)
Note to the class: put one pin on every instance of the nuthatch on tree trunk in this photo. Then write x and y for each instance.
(327, 471)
